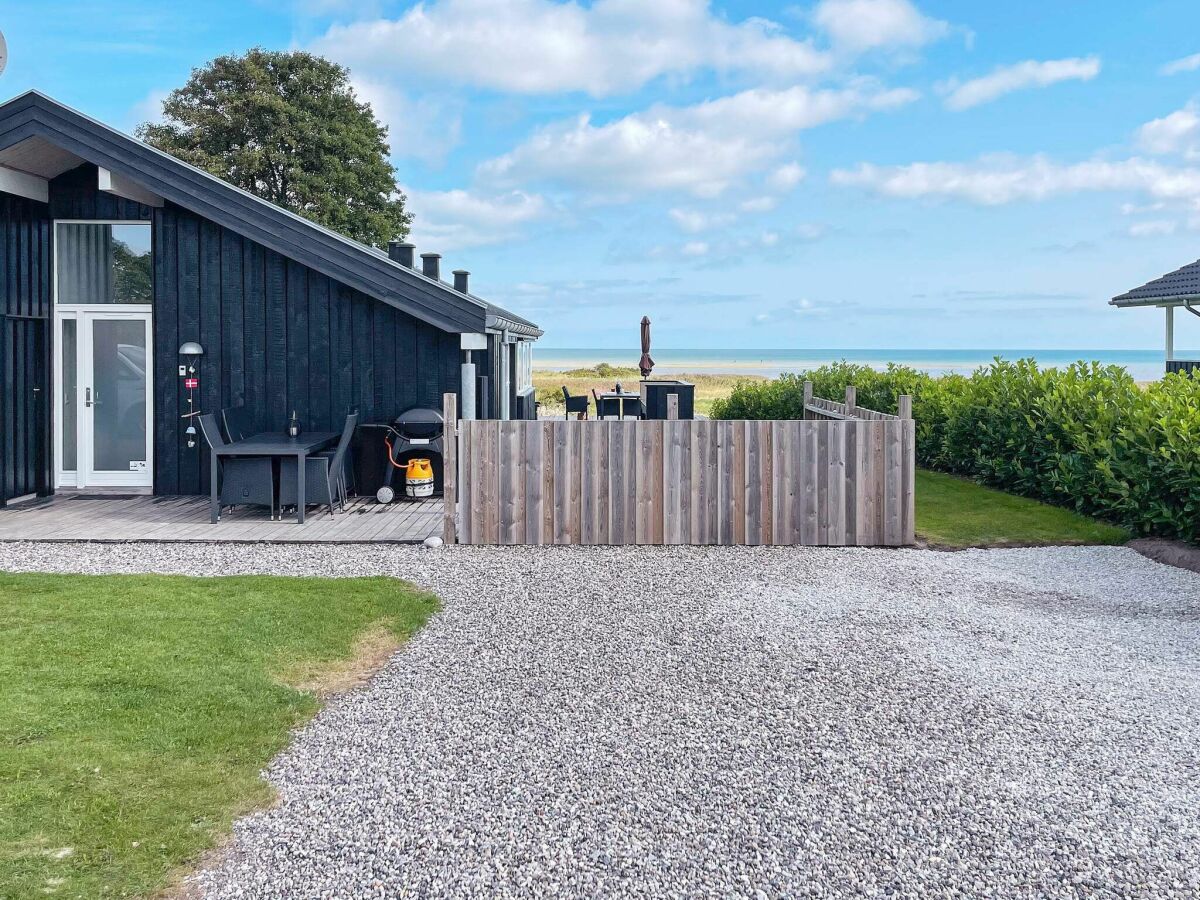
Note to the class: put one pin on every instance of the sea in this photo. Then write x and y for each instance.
(1144, 365)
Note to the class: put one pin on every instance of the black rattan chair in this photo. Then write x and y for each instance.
(324, 476)
(577, 405)
(606, 407)
(238, 422)
(247, 480)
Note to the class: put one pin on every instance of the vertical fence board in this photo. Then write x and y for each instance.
(767, 480)
(656, 491)
(603, 485)
(548, 482)
(850, 465)
(739, 487)
(561, 482)
(909, 498)
(643, 472)
(531, 447)
(450, 469)
(616, 480)
(672, 481)
(589, 489)
(574, 473)
(779, 481)
(808, 528)
(894, 489)
(752, 463)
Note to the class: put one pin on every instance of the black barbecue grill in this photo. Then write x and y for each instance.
(417, 432)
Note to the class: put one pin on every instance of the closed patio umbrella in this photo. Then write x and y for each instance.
(645, 363)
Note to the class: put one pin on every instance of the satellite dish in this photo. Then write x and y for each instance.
(3, 53)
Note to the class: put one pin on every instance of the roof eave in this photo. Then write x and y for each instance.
(500, 323)
(1122, 301)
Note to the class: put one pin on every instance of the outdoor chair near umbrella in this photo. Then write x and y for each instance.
(243, 480)
(322, 483)
(577, 404)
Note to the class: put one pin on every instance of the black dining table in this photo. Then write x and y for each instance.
(273, 444)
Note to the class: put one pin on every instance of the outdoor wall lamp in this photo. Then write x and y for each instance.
(190, 351)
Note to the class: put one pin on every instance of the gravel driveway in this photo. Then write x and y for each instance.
(761, 722)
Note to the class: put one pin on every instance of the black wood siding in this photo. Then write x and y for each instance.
(277, 335)
(25, 396)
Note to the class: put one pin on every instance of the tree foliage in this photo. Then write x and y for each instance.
(288, 127)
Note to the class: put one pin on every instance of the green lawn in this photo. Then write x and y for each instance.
(954, 512)
(136, 712)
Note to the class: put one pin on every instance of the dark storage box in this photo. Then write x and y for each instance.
(655, 393)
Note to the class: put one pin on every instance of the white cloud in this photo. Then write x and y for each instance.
(693, 221)
(547, 47)
(425, 128)
(868, 24)
(1003, 179)
(1187, 64)
(786, 176)
(1152, 228)
(148, 109)
(800, 308)
(762, 204)
(1017, 77)
(701, 149)
(449, 220)
(1177, 133)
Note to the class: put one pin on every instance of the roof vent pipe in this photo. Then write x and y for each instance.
(460, 280)
(401, 252)
(431, 265)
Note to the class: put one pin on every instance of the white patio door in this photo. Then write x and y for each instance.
(104, 402)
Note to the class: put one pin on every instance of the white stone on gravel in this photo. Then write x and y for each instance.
(760, 722)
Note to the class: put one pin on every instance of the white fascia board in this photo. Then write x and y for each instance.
(25, 185)
(115, 183)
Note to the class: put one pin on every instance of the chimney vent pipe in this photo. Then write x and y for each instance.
(461, 278)
(401, 252)
(431, 265)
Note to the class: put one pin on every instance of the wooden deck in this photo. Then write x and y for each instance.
(121, 518)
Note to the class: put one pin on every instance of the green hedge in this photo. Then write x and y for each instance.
(1085, 436)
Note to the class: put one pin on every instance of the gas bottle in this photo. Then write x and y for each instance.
(418, 479)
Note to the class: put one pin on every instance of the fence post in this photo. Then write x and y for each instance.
(851, 399)
(672, 407)
(449, 467)
(808, 391)
(905, 406)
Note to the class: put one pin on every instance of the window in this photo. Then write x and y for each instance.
(103, 262)
(524, 366)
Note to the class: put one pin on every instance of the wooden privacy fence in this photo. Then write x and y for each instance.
(838, 480)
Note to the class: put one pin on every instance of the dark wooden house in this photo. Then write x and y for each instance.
(113, 255)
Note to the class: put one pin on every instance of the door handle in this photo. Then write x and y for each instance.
(87, 396)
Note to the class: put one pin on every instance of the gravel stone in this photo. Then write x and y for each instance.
(753, 722)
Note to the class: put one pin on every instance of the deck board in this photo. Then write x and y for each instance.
(69, 517)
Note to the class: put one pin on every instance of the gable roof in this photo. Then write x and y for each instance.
(1181, 285)
(37, 130)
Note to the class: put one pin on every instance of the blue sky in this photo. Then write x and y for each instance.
(841, 173)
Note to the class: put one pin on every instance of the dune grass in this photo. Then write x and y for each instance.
(955, 512)
(136, 712)
(549, 384)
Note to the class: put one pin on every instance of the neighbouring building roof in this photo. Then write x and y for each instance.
(42, 137)
(1179, 286)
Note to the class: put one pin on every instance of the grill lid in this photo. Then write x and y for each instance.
(419, 422)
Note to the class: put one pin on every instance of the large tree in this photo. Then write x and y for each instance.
(288, 127)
